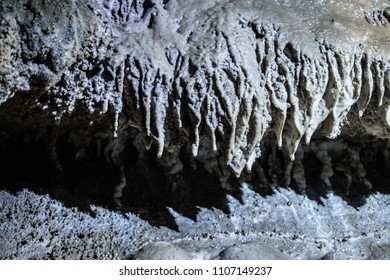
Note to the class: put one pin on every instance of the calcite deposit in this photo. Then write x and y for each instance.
(256, 89)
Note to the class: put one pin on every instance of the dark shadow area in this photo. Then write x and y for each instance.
(79, 174)
(88, 177)
(359, 171)
(151, 189)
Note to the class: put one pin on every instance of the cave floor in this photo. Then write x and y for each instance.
(35, 226)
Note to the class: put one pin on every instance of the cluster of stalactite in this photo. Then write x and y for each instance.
(218, 85)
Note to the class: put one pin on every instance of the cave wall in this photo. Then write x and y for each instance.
(271, 92)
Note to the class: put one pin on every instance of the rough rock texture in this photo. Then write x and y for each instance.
(252, 251)
(161, 251)
(37, 227)
(216, 80)
(276, 93)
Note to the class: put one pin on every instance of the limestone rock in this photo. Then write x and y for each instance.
(252, 251)
(161, 251)
(221, 81)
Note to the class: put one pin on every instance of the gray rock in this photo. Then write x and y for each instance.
(224, 81)
(252, 251)
(380, 251)
(222, 78)
(328, 256)
(161, 251)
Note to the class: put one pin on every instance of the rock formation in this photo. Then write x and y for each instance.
(237, 85)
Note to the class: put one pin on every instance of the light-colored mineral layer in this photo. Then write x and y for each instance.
(219, 75)
(283, 225)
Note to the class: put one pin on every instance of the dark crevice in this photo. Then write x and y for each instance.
(255, 30)
(88, 179)
(79, 165)
(291, 53)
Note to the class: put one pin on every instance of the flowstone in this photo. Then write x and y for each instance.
(228, 87)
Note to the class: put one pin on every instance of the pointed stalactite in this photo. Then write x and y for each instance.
(222, 79)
